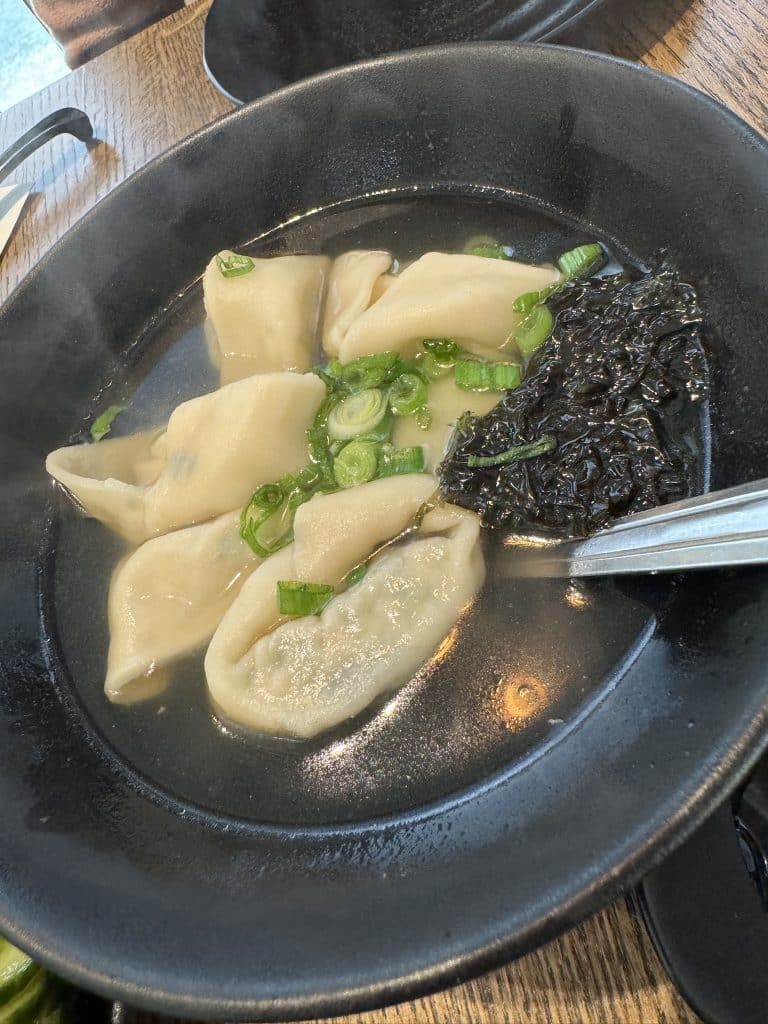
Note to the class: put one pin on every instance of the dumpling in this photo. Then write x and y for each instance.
(167, 598)
(441, 295)
(267, 319)
(351, 285)
(446, 403)
(303, 676)
(213, 453)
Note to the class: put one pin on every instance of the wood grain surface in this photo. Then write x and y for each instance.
(151, 91)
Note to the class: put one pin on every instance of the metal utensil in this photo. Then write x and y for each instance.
(14, 197)
(716, 530)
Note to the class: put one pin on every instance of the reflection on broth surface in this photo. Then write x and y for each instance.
(400, 675)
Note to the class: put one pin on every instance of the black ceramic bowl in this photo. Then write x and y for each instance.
(187, 874)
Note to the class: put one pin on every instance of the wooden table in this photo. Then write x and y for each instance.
(151, 91)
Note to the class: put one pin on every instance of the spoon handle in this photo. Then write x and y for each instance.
(715, 530)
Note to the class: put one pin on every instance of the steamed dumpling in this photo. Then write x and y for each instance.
(214, 452)
(447, 402)
(351, 286)
(167, 598)
(303, 676)
(467, 298)
(267, 319)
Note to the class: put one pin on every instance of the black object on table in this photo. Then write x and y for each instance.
(706, 908)
(253, 47)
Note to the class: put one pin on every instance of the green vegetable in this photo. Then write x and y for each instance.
(16, 969)
(534, 330)
(359, 413)
(445, 350)
(103, 423)
(297, 598)
(582, 260)
(355, 575)
(546, 443)
(490, 250)
(397, 461)
(266, 522)
(424, 417)
(366, 371)
(22, 1007)
(356, 463)
(473, 375)
(427, 364)
(407, 394)
(525, 303)
(234, 265)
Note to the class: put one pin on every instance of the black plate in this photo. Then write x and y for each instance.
(255, 46)
(706, 908)
(459, 842)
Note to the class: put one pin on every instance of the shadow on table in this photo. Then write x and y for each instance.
(626, 28)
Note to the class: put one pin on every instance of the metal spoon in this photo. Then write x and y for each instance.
(715, 530)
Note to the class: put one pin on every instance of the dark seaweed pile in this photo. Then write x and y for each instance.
(624, 358)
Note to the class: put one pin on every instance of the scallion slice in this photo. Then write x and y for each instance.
(424, 417)
(490, 250)
(356, 463)
(367, 371)
(525, 303)
(546, 443)
(472, 375)
(355, 575)
(103, 424)
(234, 265)
(399, 461)
(407, 394)
(297, 598)
(534, 330)
(266, 522)
(431, 367)
(582, 260)
(358, 413)
(445, 350)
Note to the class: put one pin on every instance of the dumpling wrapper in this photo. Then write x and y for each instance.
(352, 285)
(213, 453)
(446, 403)
(442, 295)
(308, 675)
(265, 320)
(166, 600)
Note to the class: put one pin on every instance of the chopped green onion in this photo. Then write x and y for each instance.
(525, 303)
(234, 265)
(582, 260)
(266, 522)
(490, 250)
(103, 423)
(359, 413)
(356, 464)
(445, 350)
(355, 575)
(381, 433)
(424, 417)
(407, 394)
(534, 330)
(366, 371)
(398, 461)
(297, 598)
(431, 368)
(545, 444)
(472, 375)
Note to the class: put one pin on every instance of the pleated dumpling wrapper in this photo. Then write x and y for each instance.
(443, 295)
(167, 598)
(352, 287)
(213, 453)
(266, 319)
(303, 676)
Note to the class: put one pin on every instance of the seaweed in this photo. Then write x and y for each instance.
(624, 358)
